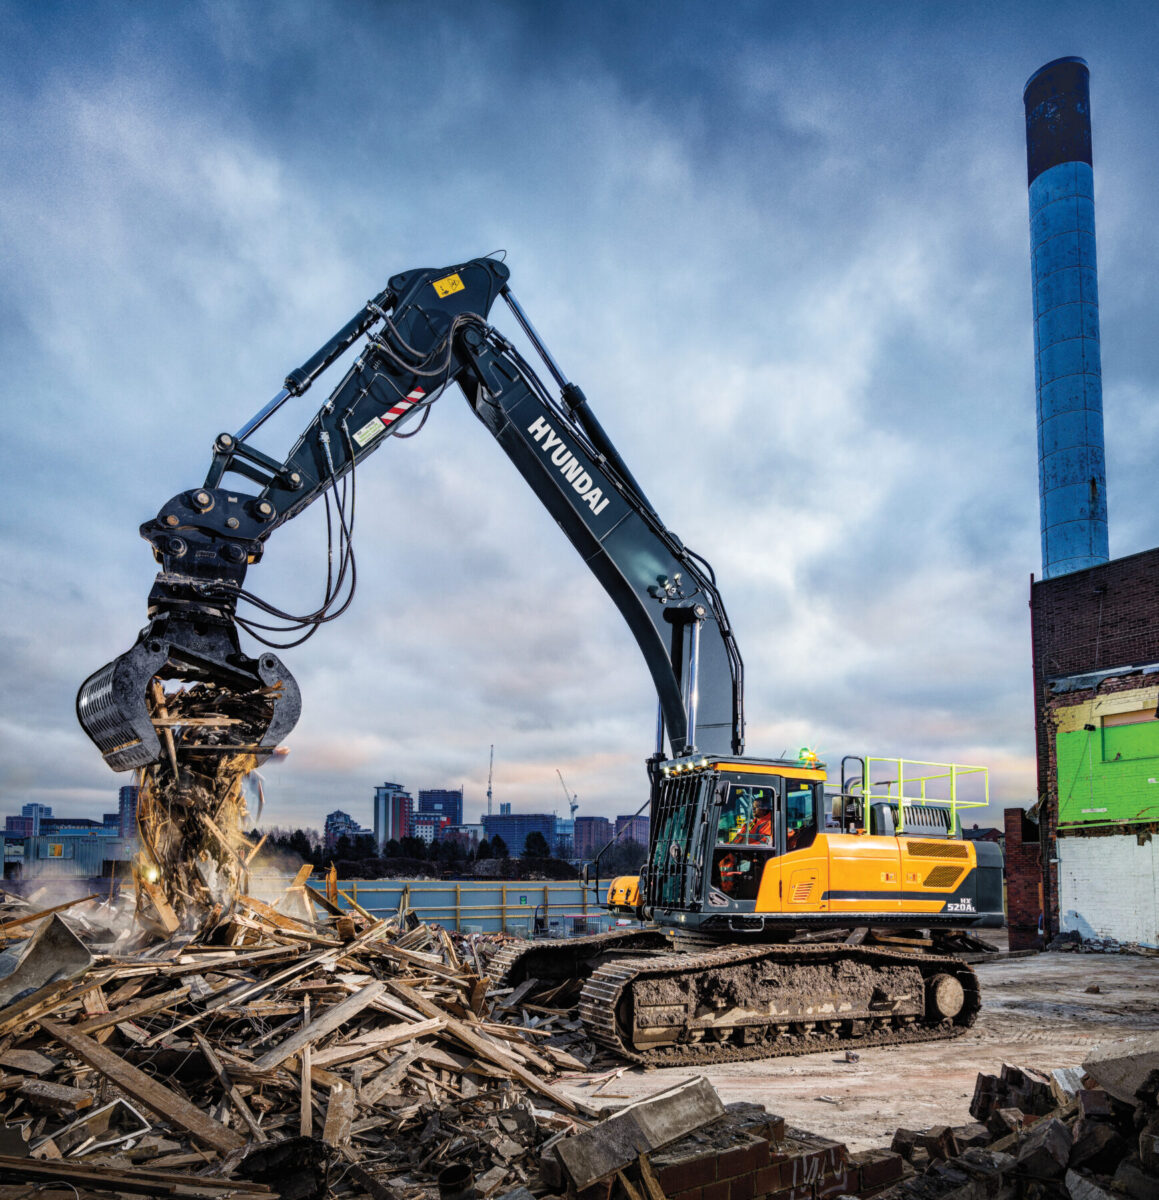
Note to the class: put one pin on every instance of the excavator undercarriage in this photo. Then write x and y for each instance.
(663, 1006)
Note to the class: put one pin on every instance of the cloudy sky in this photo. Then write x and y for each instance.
(783, 248)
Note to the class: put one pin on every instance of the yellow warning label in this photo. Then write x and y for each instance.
(448, 286)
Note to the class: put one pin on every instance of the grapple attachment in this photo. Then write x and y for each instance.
(116, 705)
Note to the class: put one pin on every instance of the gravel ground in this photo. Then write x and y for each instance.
(1036, 1011)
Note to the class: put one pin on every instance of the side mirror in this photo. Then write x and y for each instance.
(585, 874)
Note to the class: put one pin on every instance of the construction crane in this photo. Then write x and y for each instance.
(490, 771)
(572, 799)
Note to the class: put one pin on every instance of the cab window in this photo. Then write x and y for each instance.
(747, 815)
(745, 839)
(800, 817)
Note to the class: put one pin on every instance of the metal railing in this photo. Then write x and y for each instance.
(912, 785)
(562, 909)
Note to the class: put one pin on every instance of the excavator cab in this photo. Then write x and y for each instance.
(718, 825)
(752, 846)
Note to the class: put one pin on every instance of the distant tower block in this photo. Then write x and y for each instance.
(1072, 476)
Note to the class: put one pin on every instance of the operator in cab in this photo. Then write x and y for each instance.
(760, 826)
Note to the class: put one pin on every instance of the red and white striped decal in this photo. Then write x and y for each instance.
(393, 414)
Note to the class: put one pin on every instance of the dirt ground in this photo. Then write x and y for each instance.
(1035, 1012)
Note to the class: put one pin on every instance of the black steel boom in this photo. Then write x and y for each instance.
(428, 328)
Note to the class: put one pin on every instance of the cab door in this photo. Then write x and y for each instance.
(804, 880)
(744, 842)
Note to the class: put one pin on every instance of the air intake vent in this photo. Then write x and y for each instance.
(937, 850)
(943, 877)
(802, 891)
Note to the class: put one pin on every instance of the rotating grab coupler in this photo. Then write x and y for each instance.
(205, 540)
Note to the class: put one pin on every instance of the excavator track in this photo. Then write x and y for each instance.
(745, 1002)
(567, 958)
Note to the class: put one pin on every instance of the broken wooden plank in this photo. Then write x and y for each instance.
(145, 1088)
(274, 917)
(326, 1023)
(517, 994)
(630, 1189)
(339, 1115)
(168, 919)
(650, 1180)
(305, 1096)
(135, 1179)
(31, 1062)
(381, 1039)
(52, 996)
(387, 1080)
(482, 1047)
(229, 1088)
(55, 1097)
(130, 1012)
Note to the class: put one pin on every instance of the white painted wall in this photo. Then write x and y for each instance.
(1108, 887)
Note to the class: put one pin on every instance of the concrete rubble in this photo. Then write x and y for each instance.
(1074, 942)
(1089, 1134)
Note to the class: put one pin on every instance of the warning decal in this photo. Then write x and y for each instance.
(448, 286)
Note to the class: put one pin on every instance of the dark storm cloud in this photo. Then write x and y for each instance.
(783, 248)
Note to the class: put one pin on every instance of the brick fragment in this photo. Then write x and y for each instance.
(1044, 1153)
(679, 1172)
(1094, 1102)
(904, 1141)
(877, 1167)
(767, 1180)
(940, 1142)
(744, 1159)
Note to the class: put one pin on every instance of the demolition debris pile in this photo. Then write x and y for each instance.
(283, 1053)
(275, 1054)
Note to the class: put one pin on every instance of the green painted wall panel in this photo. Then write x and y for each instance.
(1109, 774)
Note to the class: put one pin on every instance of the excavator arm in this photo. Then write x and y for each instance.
(426, 330)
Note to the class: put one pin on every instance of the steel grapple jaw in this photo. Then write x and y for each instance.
(225, 700)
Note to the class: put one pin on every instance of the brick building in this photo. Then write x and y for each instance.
(1095, 644)
(393, 813)
(634, 828)
(592, 834)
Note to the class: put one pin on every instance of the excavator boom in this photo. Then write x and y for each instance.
(426, 330)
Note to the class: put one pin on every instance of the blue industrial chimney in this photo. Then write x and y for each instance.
(1072, 475)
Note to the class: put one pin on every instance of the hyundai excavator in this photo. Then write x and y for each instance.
(743, 854)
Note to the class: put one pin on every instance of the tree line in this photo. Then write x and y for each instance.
(359, 857)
